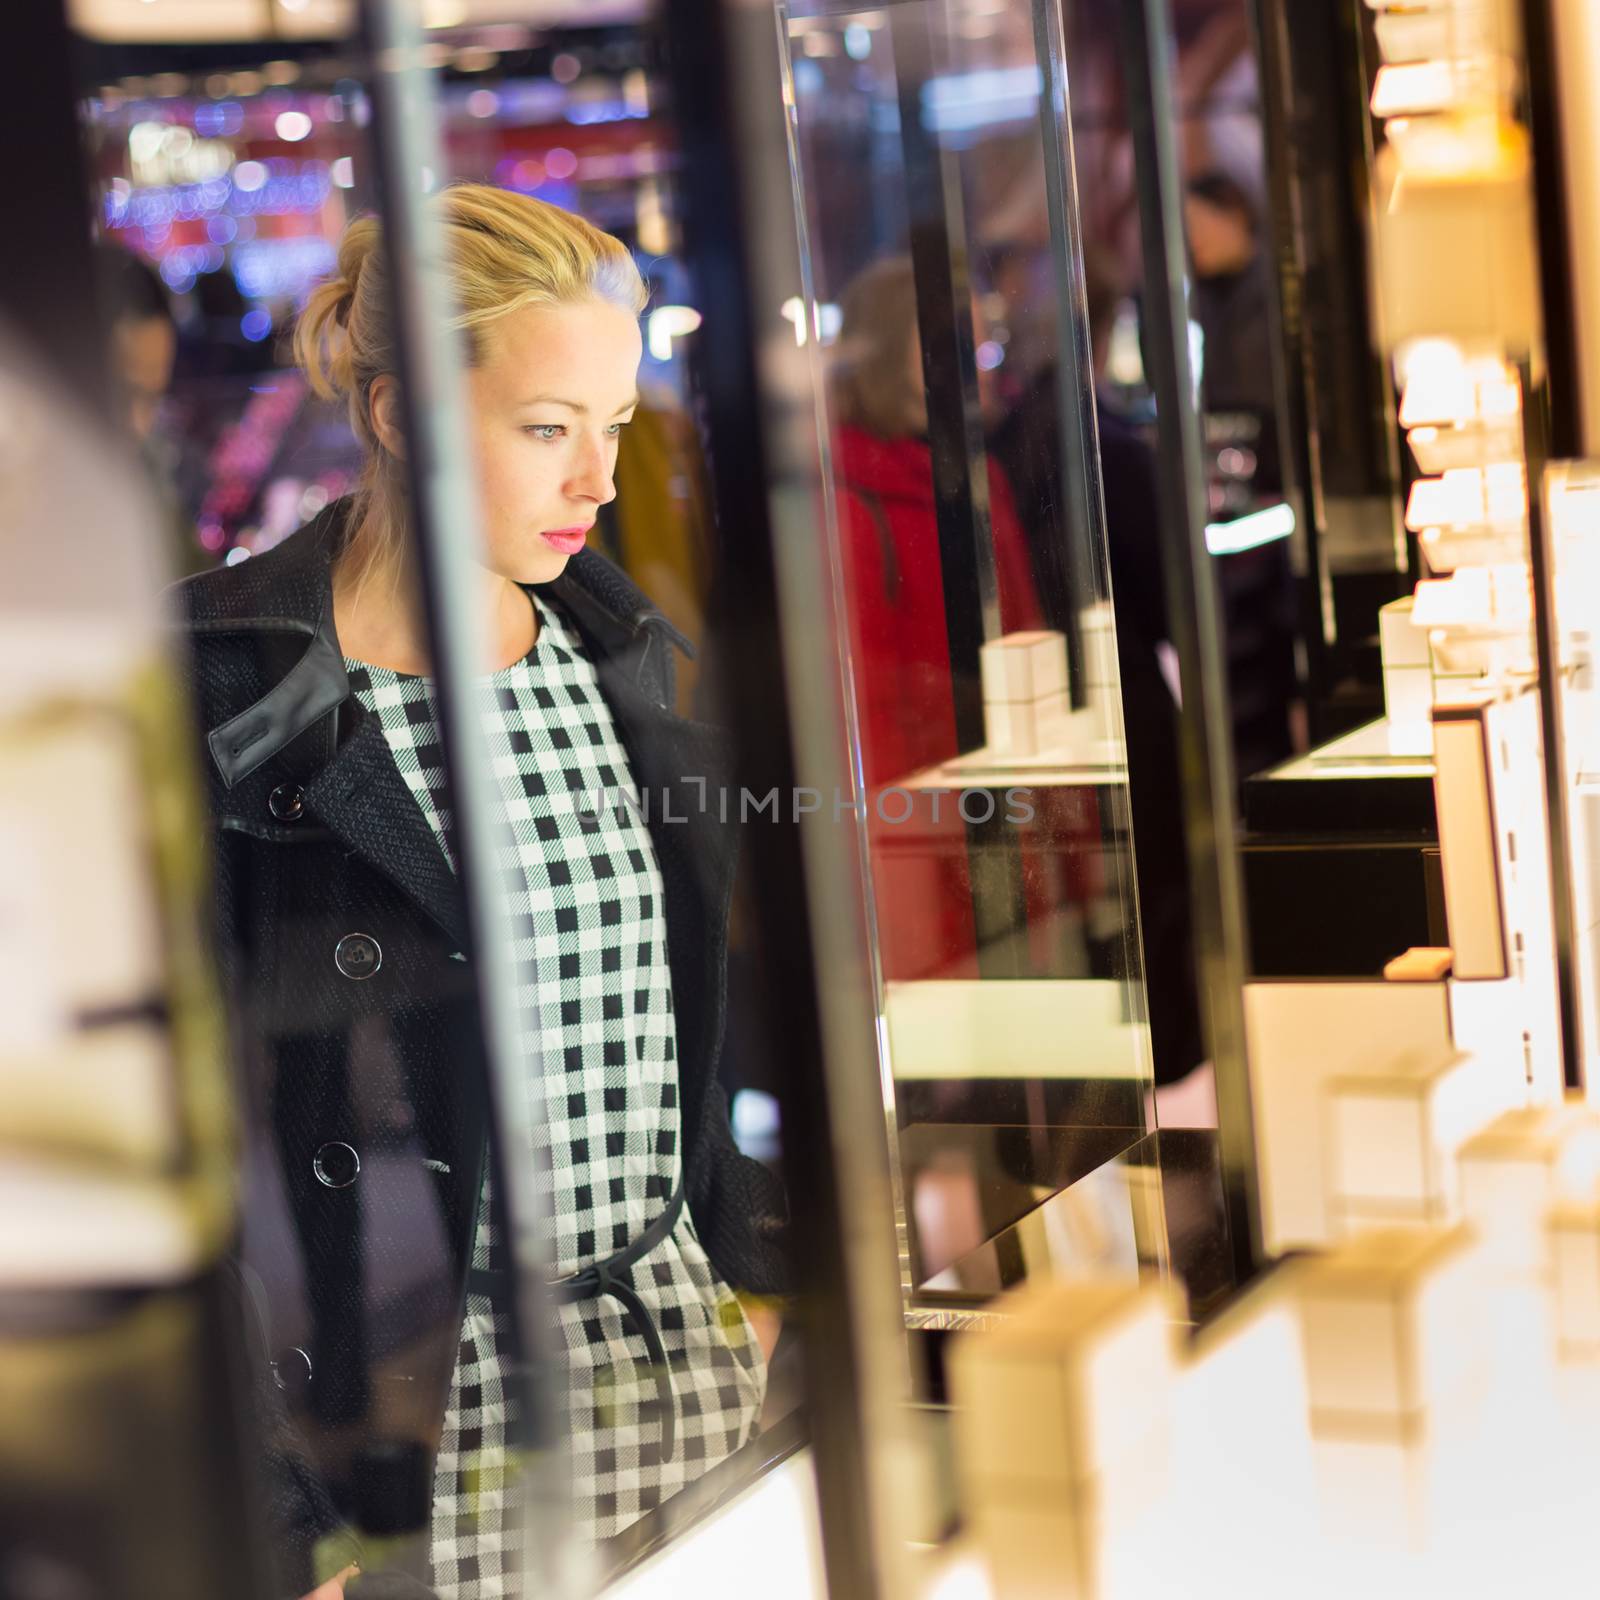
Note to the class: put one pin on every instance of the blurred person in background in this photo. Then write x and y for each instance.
(143, 335)
(344, 954)
(883, 464)
(1029, 443)
(143, 346)
(895, 599)
(1231, 303)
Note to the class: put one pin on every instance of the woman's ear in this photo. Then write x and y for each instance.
(383, 407)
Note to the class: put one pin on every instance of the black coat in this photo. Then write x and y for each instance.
(341, 937)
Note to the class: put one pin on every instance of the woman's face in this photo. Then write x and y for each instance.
(548, 400)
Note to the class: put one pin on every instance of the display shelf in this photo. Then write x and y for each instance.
(1351, 785)
(1073, 1028)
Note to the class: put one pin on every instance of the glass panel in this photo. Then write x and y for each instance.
(355, 769)
(983, 657)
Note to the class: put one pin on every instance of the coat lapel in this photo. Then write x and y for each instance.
(358, 795)
(362, 799)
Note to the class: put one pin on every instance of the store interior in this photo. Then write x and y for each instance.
(1121, 472)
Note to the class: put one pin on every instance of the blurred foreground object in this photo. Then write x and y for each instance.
(123, 1467)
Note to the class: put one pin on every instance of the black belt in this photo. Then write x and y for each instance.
(602, 1279)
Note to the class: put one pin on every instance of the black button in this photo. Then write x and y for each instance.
(287, 802)
(291, 1370)
(336, 1165)
(357, 955)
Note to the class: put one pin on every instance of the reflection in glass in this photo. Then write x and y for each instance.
(971, 563)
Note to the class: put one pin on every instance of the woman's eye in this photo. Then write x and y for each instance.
(548, 431)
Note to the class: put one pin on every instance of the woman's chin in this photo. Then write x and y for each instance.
(542, 565)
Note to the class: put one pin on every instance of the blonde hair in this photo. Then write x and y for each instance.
(871, 383)
(506, 251)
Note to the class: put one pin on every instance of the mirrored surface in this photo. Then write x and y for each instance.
(986, 666)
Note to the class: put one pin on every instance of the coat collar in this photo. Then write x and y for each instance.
(359, 794)
(289, 590)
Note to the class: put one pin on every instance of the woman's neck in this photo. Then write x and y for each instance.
(377, 614)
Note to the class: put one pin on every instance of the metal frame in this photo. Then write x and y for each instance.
(47, 288)
(890, 1106)
(1340, 444)
(1563, 413)
(1074, 360)
(1085, 529)
(1291, 379)
(446, 531)
(782, 704)
(1552, 724)
(1205, 740)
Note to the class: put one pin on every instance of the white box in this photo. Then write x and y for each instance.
(1574, 1245)
(1024, 667)
(1492, 499)
(1516, 1172)
(1240, 1439)
(1060, 727)
(1443, 449)
(1441, 32)
(1395, 1129)
(1077, 1378)
(1419, 964)
(1447, 550)
(1401, 641)
(1098, 636)
(1027, 728)
(1413, 35)
(1455, 257)
(1408, 709)
(1390, 1324)
(1045, 1548)
(1468, 839)
(1300, 1035)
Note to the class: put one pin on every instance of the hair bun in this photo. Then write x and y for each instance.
(344, 301)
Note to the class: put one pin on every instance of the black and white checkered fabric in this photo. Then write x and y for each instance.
(595, 990)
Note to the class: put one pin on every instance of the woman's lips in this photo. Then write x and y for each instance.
(569, 541)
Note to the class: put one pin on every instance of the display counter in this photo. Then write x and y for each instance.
(1341, 859)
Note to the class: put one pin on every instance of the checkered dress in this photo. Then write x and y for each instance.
(596, 994)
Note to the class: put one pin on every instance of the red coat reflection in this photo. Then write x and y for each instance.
(894, 593)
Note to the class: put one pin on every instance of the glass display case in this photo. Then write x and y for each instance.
(958, 898)
(941, 305)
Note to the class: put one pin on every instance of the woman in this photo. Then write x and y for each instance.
(344, 948)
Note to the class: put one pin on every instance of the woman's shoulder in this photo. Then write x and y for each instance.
(281, 588)
(243, 629)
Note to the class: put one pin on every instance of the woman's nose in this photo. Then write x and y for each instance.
(593, 477)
